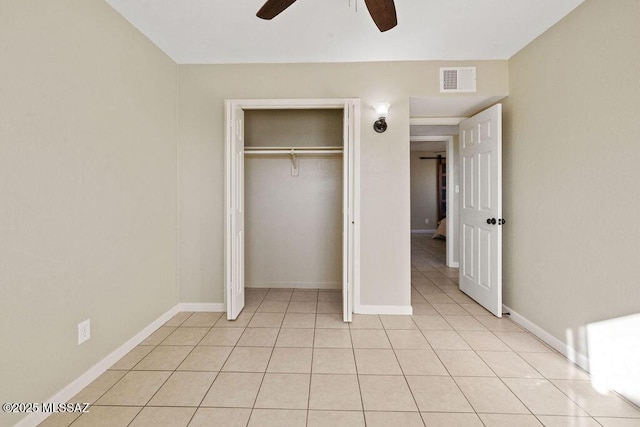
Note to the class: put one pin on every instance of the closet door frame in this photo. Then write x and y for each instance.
(351, 188)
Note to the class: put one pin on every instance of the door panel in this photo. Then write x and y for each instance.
(484, 130)
(484, 186)
(468, 190)
(484, 260)
(481, 237)
(235, 266)
(347, 211)
(467, 137)
(468, 259)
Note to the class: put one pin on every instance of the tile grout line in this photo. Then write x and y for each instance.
(217, 373)
(312, 356)
(167, 379)
(266, 367)
(264, 375)
(442, 291)
(355, 362)
(404, 376)
(176, 368)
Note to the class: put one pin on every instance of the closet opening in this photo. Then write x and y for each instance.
(290, 198)
(293, 198)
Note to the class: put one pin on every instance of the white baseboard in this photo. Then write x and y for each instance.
(98, 369)
(384, 309)
(217, 307)
(294, 285)
(430, 231)
(569, 352)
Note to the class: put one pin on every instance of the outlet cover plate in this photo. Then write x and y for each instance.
(84, 331)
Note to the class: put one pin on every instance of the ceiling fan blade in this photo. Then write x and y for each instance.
(273, 8)
(383, 13)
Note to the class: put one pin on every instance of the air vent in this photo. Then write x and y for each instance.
(458, 79)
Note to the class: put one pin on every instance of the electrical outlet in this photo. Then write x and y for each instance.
(84, 331)
(426, 221)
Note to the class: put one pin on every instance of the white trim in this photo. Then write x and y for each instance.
(302, 103)
(228, 123)
(452, 209)
(98, 369)
(291, 103)
(385, 309)
(435, 121)
(356, 205)
(216, 307)
(429, 231)
(429, 138)
(348, 128)
(294, 285)
(569, 352)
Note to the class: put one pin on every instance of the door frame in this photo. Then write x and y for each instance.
(351, 219)
(452, 205)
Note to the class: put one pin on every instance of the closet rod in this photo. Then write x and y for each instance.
(293, 152)
(288, 149)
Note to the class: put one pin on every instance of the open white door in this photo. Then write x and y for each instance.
(481, 208)
(234, 276)
(347, 211)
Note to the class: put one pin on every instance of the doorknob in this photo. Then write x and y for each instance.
(491, 221)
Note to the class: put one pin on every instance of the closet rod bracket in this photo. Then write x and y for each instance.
(294, 164)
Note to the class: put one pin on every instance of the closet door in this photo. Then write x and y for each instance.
(235, 214)
(347, 209)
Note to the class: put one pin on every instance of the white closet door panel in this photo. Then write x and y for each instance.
(235, 265)
(348, 207)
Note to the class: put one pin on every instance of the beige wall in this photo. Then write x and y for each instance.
(293, 224)
(424, 191)
(88, 179)
(294, 128)
(385, 207)
(571, 172)
(87, 190)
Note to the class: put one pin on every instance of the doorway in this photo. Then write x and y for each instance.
(235, 231)
(434, 205)
(474, 197)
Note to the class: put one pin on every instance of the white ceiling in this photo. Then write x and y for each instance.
(227, 31)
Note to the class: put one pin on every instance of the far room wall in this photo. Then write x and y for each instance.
(424, 191)
(384, 160)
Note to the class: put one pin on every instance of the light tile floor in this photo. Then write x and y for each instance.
(289, 360)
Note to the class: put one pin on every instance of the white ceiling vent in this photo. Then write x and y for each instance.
(457, 79)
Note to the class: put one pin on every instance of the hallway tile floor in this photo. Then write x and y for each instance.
(289, 360)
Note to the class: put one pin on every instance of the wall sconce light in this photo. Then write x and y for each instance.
(382, 109)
